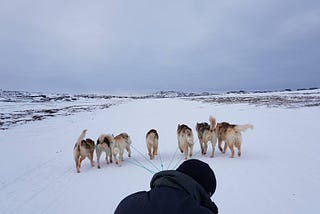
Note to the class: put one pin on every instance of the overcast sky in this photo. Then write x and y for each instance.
(149, 45)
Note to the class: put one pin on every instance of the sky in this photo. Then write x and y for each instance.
(148, 45)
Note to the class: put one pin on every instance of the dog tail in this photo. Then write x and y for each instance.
(241, 128)
(212, 122)
(83, 134)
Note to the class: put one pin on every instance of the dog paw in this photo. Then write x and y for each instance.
(98, 167)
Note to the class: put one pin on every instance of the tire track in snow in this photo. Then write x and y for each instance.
(26, 173)
(25, 190)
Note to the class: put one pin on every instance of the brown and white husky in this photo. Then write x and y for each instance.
(152, 140)
(104, 144)
(82, 149)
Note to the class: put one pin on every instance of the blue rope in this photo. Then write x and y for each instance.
(140, 165)
(198, 152)
(145, 158)
(175, 153)
(160, 160)
(183, 156)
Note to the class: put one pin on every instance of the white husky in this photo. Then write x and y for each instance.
(185, 140)
(121, 142)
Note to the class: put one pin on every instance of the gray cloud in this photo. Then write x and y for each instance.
(159, 45)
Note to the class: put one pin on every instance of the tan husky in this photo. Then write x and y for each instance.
(231, 135)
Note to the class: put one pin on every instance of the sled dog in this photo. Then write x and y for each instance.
(207, 133)
(231, 135)
(152, 139)
(104, 145)
(185, 140)
(121, 142)
(200, 128)
(82, 149)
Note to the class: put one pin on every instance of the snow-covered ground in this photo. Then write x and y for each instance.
(278, 171)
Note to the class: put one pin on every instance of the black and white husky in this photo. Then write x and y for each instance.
(104, 144)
